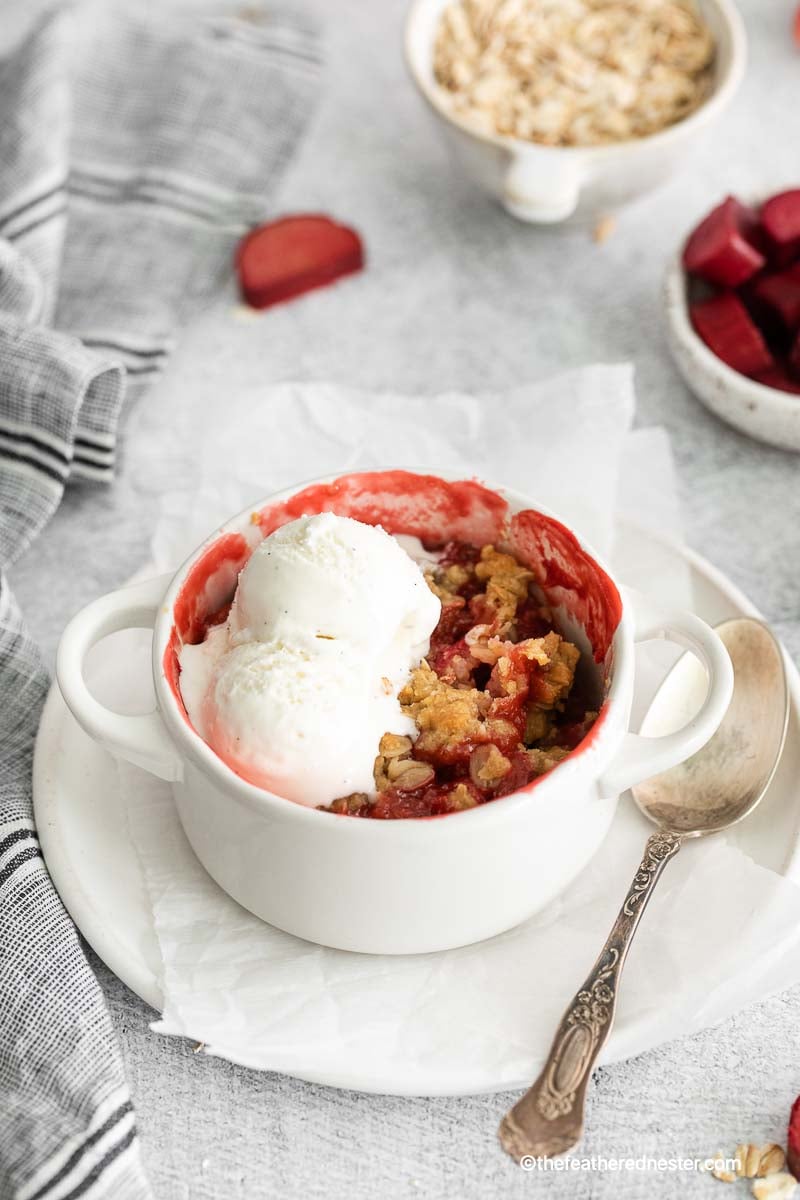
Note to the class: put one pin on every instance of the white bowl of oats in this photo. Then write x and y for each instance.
(567, 109)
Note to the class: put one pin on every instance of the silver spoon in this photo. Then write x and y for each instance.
(711, 791)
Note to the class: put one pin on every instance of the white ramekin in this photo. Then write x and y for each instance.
(548, 184)
(403, 886)
(764, 413)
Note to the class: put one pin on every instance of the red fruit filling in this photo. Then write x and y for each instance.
(780, 220)
(793, 1140)
(721, 249)
(498, 702)
(282, 260)
(725, 326)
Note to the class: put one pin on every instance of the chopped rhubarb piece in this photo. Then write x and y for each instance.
(726, 328)
(780, 220)
(776, 377)
(794, 357)
(793, 1140)
(721, 249)
(281, 260)
(779, 294)
(773, 330)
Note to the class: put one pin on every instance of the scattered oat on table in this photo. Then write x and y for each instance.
(782, 1186)
(573, 72)
(748, 1157)
(773, 1160)
(604, 229)
(720, 1169)
(764, 1164)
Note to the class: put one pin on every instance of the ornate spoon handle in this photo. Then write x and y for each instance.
(548, 1119)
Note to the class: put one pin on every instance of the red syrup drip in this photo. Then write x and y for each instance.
(206, 590)
(568, 576)
(422, 506)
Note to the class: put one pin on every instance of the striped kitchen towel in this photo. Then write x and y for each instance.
(134, 151)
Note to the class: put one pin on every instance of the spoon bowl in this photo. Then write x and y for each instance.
(723, 782)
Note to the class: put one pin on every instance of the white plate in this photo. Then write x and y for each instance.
(84, 835)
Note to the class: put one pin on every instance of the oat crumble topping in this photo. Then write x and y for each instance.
(495, 703)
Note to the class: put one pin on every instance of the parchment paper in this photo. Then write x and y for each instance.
(721, 930)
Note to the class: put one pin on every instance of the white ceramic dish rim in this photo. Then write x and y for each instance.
(724, 90)
(677, 305)
(262, 801)
(138, 976)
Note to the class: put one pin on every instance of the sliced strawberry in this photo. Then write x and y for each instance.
(777, 377)
(779, 294)
(281, 260)
(780, 220)
(793, 1140)
(721, 250)
(796, 26)
(725, 326)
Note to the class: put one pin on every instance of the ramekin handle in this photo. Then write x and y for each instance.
(141, 740)
(642, 757)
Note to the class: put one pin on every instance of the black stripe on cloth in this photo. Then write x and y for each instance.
(78, 1154)
(21, 209)
(14, 864)
(84, 476)
(138, 197)
(89, 471)
(100, 1167)
(152, 182)
(45, 468)
(145, 369)
(235, 33)
(36, 222)
(19, 835)
(82, 443)
(106, 344)
(95, 447)
(30, 439)
(81, 460)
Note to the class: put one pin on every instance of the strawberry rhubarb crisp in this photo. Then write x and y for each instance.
(495, 703)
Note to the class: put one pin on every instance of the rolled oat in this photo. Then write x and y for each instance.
(573, 72)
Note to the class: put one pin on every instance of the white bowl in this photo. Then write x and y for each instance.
(764, 413)
(548, 184)
(403, 886)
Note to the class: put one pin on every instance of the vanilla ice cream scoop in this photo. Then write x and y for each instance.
(333, 577)
(295, 691)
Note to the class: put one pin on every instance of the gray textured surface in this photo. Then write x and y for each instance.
(459, 295)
